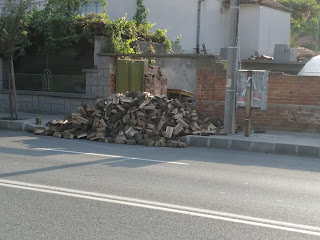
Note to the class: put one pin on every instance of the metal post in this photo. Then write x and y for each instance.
(232, 70)
(198, 26)
(15, 110)
(248, 105)
(317, 37)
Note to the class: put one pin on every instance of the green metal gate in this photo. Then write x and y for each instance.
(130, 75)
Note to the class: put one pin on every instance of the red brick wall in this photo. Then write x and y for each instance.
(293, 101)
(112, 83)
(155, 81)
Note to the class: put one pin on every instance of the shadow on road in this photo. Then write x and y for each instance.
(10, 142)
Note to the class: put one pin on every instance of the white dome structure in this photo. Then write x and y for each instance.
(312, 68)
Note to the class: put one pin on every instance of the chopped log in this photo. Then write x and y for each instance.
(126, 118)
(141, 123)
(194, 126)
(68, 136)
(211, 126)
(120, 139)
(55, 122)
(102, 129)
(145, 103)
(169, 131)
(178, 129)
(151, 126)
(38, 131)
(175, 111)
(162, 142)
(196, 132)
(92, 135)
(82, 135)
(178, 116)
(100, 135)
(75, 115)
(206, 119)
(183, 123)
(133, 121)
(82, 111)
(126, 99)
(140, 114)
(114, 111)
(149, 108)
(148, 143)
(109, 140)
(120, 107)
(182, 111)
(102, 123)
(116, 100)
(96, 122)
(131, 142)
(83, 120)
(56, 134)
(160, 124)
(131, 132)
(176, 144)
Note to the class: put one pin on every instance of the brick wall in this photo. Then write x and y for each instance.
(293, 101)
(155, 80)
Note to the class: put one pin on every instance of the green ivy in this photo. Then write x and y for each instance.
(59, 25)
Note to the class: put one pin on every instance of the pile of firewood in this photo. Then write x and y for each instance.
(133, 118)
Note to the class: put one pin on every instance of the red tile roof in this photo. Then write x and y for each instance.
(268, 3)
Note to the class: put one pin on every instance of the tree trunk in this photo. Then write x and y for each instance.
(14, 90)
(7, 69)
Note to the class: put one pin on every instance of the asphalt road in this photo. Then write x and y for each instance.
(54, 188)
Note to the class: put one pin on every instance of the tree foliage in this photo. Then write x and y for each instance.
(14, 29)
(305, 17)
(141, 13)
(54, 27)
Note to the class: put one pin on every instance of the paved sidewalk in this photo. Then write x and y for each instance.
(289, 143)
(26, 121)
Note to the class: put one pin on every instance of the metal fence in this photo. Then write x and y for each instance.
(51, 83)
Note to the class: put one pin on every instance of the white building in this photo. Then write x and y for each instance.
(263, 23)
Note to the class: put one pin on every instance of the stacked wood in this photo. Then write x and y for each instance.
(134, 118)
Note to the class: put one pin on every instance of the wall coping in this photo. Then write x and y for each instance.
(273, 62)
(50, 94)
(160, 55)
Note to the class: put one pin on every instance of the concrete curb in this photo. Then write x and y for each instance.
(252, 146)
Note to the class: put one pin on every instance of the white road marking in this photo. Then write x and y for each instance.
(111, 156)
(259, 222)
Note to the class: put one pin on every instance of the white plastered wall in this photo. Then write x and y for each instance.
(274, 29)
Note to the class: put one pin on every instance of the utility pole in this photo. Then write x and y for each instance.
(232, 70)
(317, 37)
(198, 26)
